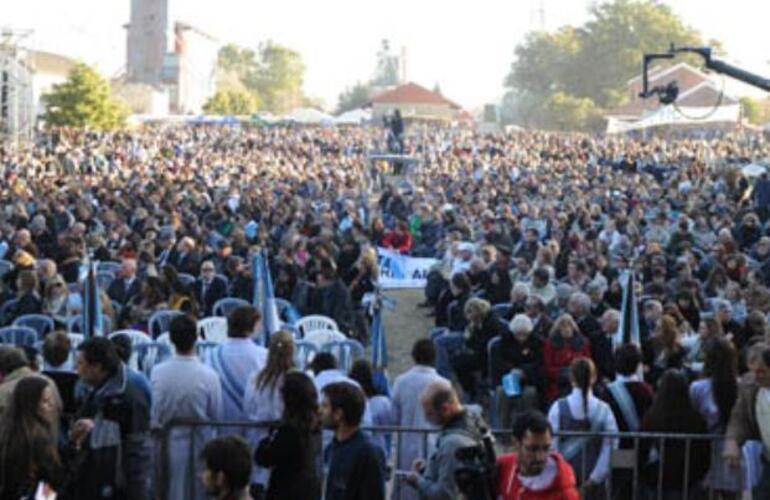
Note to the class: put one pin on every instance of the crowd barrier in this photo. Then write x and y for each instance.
(183, 440)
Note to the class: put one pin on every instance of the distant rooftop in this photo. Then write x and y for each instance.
(411, 93)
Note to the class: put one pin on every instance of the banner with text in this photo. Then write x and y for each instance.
(402, 271)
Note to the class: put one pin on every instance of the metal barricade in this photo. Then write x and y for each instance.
(666, 475)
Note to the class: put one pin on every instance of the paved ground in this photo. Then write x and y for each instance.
(403, 326)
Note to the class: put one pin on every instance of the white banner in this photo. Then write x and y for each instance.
(402, 271)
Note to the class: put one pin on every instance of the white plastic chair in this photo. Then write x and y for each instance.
(304, 352)
(165, 339)
(213, 329)
(345, 351)
(137, 338)
(316, 322)
(321, 337)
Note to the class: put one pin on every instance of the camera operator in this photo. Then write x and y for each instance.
(460, 429)
(534, 471)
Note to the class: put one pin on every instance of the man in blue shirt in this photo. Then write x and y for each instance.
(356, 465)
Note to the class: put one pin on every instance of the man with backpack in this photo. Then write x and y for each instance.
(464, 449)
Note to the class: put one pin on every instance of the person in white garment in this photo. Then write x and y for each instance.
(238, 358)
(262, 401)
(408, 412)
(184, 388)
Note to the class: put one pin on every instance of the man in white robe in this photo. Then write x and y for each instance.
(184, 388)
(238, 358)
(408, 412)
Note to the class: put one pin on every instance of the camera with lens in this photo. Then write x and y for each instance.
(475, 473)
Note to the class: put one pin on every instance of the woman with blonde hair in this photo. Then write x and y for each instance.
(367, 272)
(262, 401)
(564, 345)
(56, 299)
(471, 361)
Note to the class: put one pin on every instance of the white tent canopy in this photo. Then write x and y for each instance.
(310, 116)
(354, 117)
(671, 115)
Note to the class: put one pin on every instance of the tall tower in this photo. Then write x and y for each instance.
(147, 40)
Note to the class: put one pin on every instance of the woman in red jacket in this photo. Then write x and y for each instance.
(534, 472)
(564, 345)
(399, 239)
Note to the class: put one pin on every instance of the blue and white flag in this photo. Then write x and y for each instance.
(271, 323)
(92, 323)
(257, 268)
(628, 326)
(376, 302)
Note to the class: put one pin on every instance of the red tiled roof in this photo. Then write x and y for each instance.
(411, 93)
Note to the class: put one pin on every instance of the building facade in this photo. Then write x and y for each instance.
(170, 55)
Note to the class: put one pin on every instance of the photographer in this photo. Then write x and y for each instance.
(460, 429)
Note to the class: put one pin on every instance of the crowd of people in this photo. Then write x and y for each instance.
(534, 236)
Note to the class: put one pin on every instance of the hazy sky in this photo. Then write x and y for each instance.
(465, 46)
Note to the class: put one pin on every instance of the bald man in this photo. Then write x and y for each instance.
(459, 429)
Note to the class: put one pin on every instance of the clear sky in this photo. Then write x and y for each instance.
(465, 46)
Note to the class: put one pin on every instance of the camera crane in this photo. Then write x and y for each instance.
(667, 94)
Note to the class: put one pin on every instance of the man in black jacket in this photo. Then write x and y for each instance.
(126, 286)
(111, 436)
(332, 298)
(356, 464)
(209, 288)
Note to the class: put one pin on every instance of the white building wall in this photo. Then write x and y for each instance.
(197, 71)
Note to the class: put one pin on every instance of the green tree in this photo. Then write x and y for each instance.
(569, 112)
(279, 77)
(273, 74)
(83, 100)
(591, 62)
(751, 109)
(354, 97)
(231, 102)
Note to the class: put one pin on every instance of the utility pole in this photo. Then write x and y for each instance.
(16, 106)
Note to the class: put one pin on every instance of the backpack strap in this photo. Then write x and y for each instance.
(573, 445)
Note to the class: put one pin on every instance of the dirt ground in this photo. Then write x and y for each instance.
(403, 326)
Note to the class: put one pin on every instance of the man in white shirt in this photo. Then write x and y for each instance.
(408, 412)
(184, 388)
(238, 358)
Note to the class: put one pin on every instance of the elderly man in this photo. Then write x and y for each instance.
(126, 286)
(602, 345)
(579, 306)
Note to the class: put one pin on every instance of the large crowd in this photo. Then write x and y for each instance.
(534, 234)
